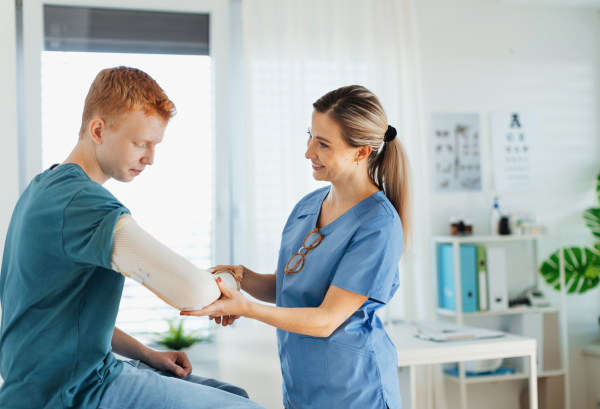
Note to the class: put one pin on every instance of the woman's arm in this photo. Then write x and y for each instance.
(337, 307)
(260, 286)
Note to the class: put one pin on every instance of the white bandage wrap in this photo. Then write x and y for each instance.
(174, 279)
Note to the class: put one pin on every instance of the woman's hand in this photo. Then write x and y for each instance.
(230, 306)
(239, 274)
(174, 361)
(237, 270)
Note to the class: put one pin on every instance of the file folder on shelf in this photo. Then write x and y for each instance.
(468, 276)
(496, 267)
(482, 280)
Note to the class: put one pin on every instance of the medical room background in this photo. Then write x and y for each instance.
(496, 101)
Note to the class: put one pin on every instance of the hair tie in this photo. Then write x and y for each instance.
(390, 134)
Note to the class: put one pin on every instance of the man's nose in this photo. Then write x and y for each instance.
(148, 158)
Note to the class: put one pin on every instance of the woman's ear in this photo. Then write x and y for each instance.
(363, 153)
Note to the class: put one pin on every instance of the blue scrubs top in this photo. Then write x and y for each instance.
(355, 367)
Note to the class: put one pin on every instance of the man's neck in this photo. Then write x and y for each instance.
(83, 156)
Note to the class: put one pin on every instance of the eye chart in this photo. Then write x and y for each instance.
(456, 152)
(516, 150)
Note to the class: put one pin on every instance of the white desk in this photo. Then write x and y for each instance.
(413, 351)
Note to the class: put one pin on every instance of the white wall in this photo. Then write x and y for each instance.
(9, 181)
(485, 55)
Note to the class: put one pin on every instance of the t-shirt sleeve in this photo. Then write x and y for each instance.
(370, 264)
(89, 222)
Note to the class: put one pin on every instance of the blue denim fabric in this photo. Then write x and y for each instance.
(140, 386)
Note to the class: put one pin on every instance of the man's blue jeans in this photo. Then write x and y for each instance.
(140, 386)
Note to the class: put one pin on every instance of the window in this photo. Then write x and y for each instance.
(80, 42)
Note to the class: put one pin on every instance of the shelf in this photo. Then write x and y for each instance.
(510, 311)
(488, 378)
(548, 374)
(500, 378)
(484, 239)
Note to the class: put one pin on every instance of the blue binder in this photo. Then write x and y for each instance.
(468, 265)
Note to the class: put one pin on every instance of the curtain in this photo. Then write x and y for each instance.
(296, 51)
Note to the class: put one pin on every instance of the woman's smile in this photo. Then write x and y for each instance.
(316, 166)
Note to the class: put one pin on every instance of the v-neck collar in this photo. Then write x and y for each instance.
(315, 207)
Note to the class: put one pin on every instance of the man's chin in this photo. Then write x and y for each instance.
(124, 178)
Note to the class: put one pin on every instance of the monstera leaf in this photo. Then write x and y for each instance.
(582, 269)
(592, 219)
(598, 187)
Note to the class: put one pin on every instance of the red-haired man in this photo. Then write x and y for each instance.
(59, 289)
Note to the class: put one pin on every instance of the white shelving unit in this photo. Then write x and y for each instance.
(459, 316)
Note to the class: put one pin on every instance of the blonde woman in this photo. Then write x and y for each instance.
(334, 350)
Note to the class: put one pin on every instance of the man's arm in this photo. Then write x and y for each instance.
(174, 361)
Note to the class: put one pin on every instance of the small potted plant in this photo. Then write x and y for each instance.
(176, 338)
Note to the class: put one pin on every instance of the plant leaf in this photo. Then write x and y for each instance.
(578, 261)
(598, 187)
(592, 219)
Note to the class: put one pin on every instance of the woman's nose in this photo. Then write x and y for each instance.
(310, 152)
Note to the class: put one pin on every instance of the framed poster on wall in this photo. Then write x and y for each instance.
(455, 141)
(516, 149)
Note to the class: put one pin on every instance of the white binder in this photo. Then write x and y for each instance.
(496, 267)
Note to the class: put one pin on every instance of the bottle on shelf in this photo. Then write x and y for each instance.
(468, 227)
(453, 226)
(461, 225)
(495, 218)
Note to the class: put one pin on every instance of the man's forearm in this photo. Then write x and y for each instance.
(128, 346)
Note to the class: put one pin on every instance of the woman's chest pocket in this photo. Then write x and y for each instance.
(340, 375)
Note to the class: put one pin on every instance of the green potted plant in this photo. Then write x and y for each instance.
(582, 264)
(176, 338)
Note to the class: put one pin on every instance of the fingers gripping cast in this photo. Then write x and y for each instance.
(138, 255)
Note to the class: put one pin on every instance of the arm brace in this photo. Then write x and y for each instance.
(138, 255)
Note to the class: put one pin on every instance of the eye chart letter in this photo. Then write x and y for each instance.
(516, 150)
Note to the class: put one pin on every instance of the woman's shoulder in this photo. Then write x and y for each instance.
(378, 209)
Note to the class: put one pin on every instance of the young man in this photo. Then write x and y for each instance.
(59, 290)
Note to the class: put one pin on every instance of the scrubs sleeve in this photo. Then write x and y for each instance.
(89, 221)
(370, 264)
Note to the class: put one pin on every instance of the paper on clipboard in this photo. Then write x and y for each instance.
(445, 332)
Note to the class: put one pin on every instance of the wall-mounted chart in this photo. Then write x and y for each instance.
(516, 150)
(456, 145)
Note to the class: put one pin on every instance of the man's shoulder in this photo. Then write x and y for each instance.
(72, 184)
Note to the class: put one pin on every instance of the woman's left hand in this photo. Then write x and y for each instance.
(232, 304)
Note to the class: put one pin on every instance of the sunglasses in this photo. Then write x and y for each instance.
(310, 242)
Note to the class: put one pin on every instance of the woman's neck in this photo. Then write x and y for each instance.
(347, 193)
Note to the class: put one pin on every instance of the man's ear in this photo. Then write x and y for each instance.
(363, 153)
(97, 127)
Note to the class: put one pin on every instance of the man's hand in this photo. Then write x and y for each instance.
(174, 361)
(232, 304)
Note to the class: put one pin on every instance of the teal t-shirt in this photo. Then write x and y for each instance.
(58, 295)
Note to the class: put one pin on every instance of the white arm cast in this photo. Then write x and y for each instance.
(174, 279)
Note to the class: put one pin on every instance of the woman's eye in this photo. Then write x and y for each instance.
(140, 145)
(323, 145)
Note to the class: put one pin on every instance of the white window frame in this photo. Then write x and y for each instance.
(219, 35)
